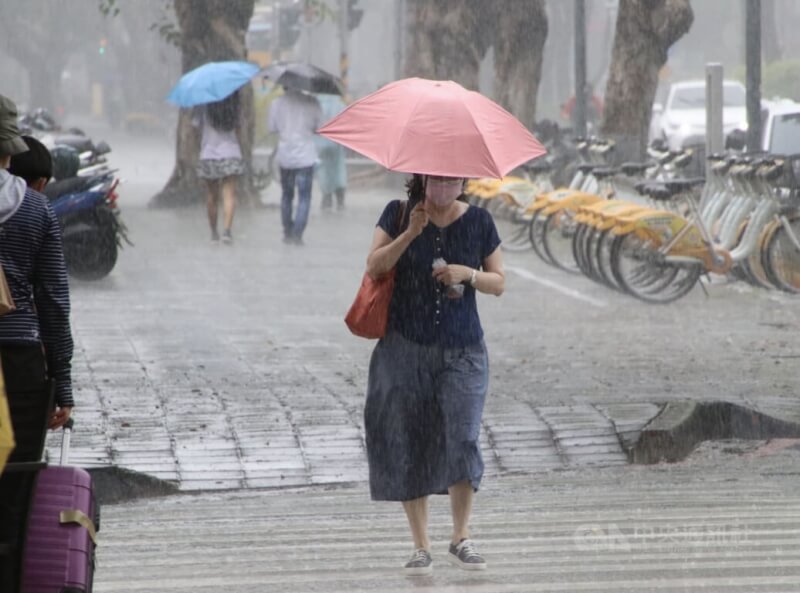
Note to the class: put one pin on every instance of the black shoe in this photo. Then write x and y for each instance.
(227, 238)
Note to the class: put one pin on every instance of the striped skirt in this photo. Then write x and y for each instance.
(423, 416)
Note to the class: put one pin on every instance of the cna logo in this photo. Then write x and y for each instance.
(598, 537)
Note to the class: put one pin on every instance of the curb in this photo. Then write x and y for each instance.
(680, 426)
(114, 484)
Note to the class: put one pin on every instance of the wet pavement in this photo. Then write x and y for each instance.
(230, 369)
(727, 521)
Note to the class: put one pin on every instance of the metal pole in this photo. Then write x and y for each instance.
(580, 68)
(753, 77)
(714, 133)
(275, 54)
(344, 31)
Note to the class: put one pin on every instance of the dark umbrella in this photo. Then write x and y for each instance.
(304, 77)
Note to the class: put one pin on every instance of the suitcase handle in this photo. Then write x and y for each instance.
(79, 518)
(65, 441)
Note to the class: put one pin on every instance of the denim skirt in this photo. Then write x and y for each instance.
(423, 417)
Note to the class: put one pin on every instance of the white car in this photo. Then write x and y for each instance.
(683, 116)
(781, 129)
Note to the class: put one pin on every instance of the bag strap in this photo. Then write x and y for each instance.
(399, 218)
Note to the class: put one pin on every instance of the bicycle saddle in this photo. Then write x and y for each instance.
(678, 186)
(605, 172)
(634, 169)
(537, 167)
(69, 185)
(657, 190)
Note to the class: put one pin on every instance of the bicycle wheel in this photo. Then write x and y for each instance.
(640, 272)
(536, 236)
(590, 249)
(602, 258)
(513, 232)
(578, 246)
(754, 271)
(650, 277)
(782, 258)
(557, 234)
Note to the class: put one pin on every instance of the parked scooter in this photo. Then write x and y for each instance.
(41, 124)
(92, 231)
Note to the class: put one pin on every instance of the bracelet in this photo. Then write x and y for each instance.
(473, 277)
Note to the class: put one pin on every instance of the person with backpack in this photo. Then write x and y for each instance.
(35, 338)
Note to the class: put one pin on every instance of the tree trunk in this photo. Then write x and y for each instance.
(211, 30)
(558, 51)
(645, 31)
(519, 44)
(447, 40)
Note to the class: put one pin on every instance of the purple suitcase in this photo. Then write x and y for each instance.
(60, 542)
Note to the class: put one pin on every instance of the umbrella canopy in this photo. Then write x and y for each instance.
(434, 127)
(211, 82)
(304, 77)
(6, 432)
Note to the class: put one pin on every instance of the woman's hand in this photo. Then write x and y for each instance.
(452, 274)
(418, 220)
(59, 418)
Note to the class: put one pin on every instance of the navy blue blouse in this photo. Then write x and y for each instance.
(420, 310)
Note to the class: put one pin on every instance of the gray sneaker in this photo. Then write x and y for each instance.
(421, 563)
(465, 556)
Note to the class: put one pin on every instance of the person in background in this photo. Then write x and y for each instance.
(295, 116)
(35, 339)
(331, 171)
(220, 160)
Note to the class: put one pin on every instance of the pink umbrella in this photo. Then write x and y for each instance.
(434, 127)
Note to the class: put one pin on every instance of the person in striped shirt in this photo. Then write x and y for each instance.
(35, 338)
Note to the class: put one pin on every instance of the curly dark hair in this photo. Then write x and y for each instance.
(224, 115)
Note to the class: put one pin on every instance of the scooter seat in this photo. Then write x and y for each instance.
(70, 185)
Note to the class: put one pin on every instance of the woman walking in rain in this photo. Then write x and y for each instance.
(220, 161)
(428, 377)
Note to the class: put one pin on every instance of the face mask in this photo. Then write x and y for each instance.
(442, 192)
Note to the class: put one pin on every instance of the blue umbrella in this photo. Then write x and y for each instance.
(211, 82)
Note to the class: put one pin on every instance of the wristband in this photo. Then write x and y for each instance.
(473, 277)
